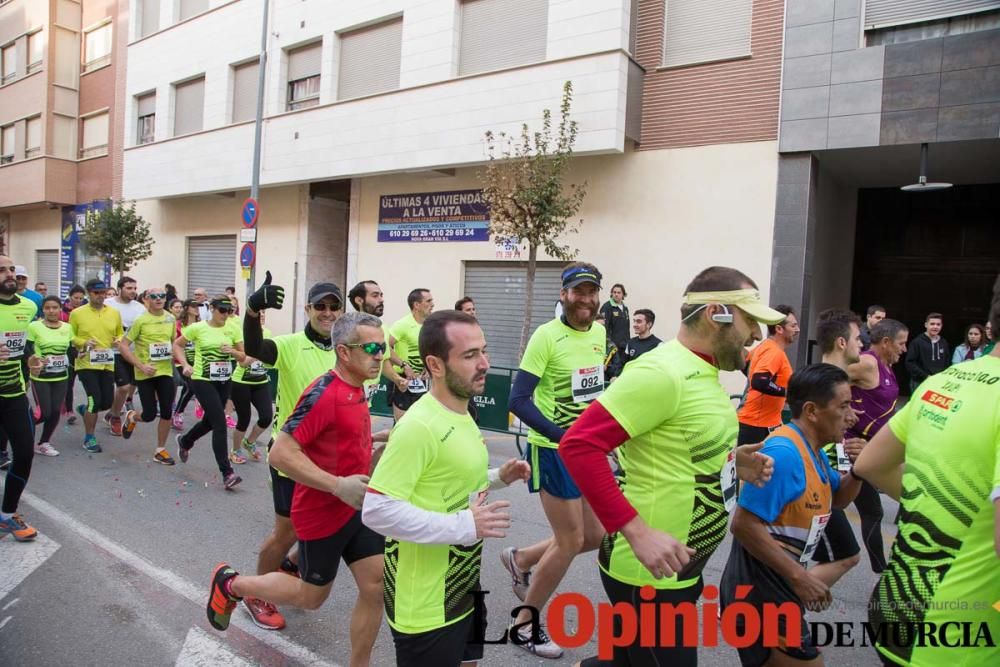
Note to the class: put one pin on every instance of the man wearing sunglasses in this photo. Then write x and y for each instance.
(299, 359)
(326, 446)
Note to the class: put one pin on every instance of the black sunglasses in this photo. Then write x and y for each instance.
(156, 295)
(323, 307)
(223, 309)
(369, 348)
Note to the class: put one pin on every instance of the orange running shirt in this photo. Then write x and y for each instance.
(760, 409)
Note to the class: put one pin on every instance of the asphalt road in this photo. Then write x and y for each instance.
(119, 574)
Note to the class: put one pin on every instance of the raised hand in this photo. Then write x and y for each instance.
(267, 296)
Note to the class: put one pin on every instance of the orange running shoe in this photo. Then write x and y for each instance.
(16, 526)
(220, 603)
(264, 614)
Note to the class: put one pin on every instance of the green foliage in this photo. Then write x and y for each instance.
(118, 234)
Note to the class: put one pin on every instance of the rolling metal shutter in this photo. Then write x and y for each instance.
(700, 31)
(499, 292)
(370, 60)
(496, 34)
(46, 270)
(245, 91)
(879, 13)
(149, 17)
(211, 263)
(305, 62)
(189, 106)
(189, 8)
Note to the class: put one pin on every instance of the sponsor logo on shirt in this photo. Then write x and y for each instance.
(939, 400)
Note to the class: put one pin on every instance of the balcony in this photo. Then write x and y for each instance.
(41, 180)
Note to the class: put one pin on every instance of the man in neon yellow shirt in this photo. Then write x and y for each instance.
(940, 457)
(409, 377)
(676, 432)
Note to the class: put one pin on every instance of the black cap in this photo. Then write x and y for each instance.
(577, 275)
(225, 303)
(321, 290)
(96, 285)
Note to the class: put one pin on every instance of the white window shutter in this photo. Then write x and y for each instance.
(370, 60)
(496, 34)
(700, 31)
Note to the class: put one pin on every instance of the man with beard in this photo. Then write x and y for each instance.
(409, 378)
(769, 372)
(561, 372)
(428, 497)
(676, 430)
(367, 297)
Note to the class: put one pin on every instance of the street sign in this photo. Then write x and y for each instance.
(249, 212)
(247, 255)
(248, 235)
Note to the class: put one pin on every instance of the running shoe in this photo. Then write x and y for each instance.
(519, 578)
(116, 426)
(106, 418)
(198, 411)
(220, 603)
(45, 449)
(129, 425)
(4, 460)
(264, 614)
(252, 452)
(230, 422)
(16, 526)
(163, 457)
(182, 451)
(90, 444)
(236, 457)
(545, 648)
(230, 480)
(177, 422)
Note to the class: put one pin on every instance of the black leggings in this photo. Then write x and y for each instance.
(100, 388)
(156, 392)
(259, 395)
(187, 393)
(213, 397)
(71, 381)
(869, 504)
(49, 398)
(15, 418)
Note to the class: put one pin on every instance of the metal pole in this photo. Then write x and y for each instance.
(258, 126)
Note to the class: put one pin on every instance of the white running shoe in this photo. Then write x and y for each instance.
(519, 578)
(546, 648)
(45, 449)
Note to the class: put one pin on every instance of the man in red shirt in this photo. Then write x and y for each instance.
(326, 447)
(769, 371)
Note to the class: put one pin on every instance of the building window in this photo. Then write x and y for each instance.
(6, 144)
(189, 106)
(496, 34)
(189, 8)
(370, 59)
(33, 137)
(149, 17)
(36, 51)
(8, 56)
(245, 91)
(145, 131)
(701, 31)
(303, 76)
(95, 135)
(97, 48)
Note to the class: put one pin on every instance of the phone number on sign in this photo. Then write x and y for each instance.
(444, 233)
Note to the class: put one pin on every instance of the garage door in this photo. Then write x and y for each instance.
(498, 288)
(211, 263)
(46, 270)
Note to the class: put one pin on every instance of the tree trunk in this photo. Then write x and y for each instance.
(529, 299)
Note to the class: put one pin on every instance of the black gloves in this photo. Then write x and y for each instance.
(268, 296)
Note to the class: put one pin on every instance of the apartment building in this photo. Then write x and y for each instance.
(62, 64)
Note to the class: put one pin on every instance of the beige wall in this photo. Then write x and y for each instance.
(36, 229)
(652, 220)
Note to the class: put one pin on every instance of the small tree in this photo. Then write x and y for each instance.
(118, 234)
(523, 186)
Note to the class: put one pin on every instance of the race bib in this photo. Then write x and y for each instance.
(587, 384)
(189, 346)
(416, 386)
(219, 371)
(370, 391)
(56, 364)
(14, 342)
(102, 357)
(843, 460)
(159, 351)
(256, 368)
(816, 529)
(729, 482)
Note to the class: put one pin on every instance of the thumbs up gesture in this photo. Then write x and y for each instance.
(268, 296)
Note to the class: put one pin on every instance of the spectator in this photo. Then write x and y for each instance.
(644, 340)
(77, 297)
(972, 348)
(928, 353)
(231, 293)
(616, 318)
(171, 292)
(21, 276)
(876, 314)
(42, 289)
(988, 332)
(466, 305)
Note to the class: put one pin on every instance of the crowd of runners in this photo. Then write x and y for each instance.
(648, 464)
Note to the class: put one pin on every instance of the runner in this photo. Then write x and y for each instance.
(215, 347)
(325, 446)
(251, 387)
(15, 418)
(299, 359)
(77, 297)
(130, 308)
(777, 527)
(188, 317)
(875, 393)
(419, 497)
(768, 373)
(153, 334)
(97, 330)
(50, 341)
(644, 340)
(676, 430)
(26, 292)
(466, 305)
(940, 457)
(561, 372)
(409, 379)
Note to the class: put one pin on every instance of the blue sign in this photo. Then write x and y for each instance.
(247, 255)
(249, 212)
(71, 251)
(458, 215)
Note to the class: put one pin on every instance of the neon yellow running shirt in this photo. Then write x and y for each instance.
(53, 346)
(153, 337)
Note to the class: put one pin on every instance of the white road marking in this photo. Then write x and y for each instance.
(175, 582)
(202, 650)
(21, 559)
(5, 621)
(10, 604)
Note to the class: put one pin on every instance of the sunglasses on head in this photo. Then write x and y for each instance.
(323, 307)
(157, 295)
(369, 348)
